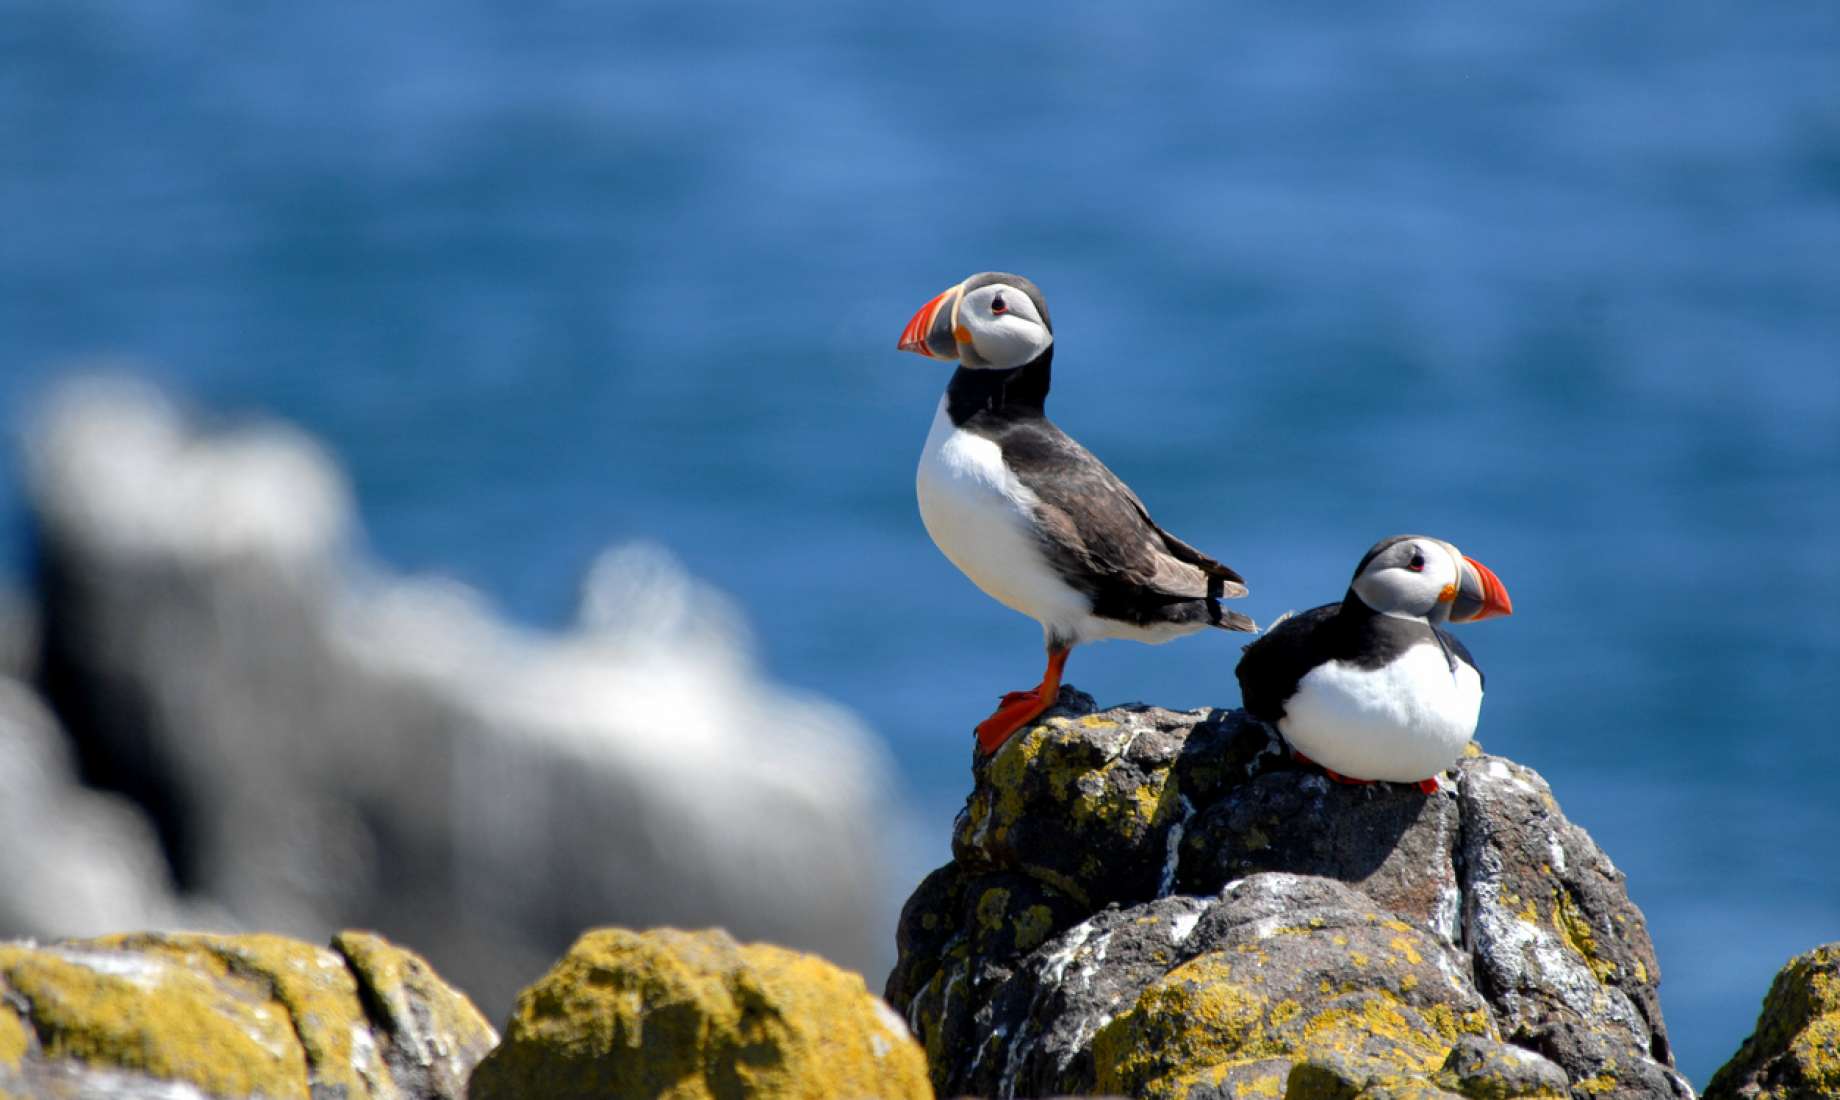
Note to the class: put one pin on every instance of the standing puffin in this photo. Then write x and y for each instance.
(1031, 516)
(1372, 687)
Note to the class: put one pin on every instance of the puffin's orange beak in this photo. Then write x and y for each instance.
(930, 331)
(1481, 594)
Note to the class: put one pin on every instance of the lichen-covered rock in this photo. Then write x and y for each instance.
(232, 1016)
(1130, 902)
(1483, 1069)
(694, 1015)
(1794, 1053)
(1297, 967)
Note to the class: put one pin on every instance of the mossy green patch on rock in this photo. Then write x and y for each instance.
(693, 1015)
(1794, 1053)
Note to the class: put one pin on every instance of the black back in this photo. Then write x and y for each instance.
(1093, 528)
(1349, 631)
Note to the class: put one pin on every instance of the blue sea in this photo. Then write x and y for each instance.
(1557, 281)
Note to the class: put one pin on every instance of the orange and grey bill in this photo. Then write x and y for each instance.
(914, 337)
(1494, 594)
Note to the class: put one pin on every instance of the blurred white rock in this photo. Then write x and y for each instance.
(76, 862)
(328, 745)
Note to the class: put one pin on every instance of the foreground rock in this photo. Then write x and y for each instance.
(693, 1015)
(180, 1016)
(322, 746)
(1795, 1052)
(1163, 904)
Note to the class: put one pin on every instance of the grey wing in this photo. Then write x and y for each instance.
(1087, 514)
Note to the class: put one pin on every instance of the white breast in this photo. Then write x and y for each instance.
(1403, 722)
(978, 513)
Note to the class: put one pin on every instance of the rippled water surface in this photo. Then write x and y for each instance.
(1558, 281)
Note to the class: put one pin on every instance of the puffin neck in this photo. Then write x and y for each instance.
(1020, 391)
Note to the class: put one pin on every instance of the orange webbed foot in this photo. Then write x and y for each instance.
(1018, 708)
(1016, 711)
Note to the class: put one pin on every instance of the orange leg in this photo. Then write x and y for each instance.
(1018, 708)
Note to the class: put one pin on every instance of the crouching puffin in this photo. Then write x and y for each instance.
(1031, 516)
(1373, 687)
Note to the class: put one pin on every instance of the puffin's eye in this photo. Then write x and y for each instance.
(998, 305)
(1417, 564)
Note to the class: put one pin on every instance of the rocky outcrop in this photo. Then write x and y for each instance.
(184, 1016)
(695, 1016)
(1794, 1053)
(322, 745)
(1164, 904)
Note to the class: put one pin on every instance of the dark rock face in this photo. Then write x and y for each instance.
(1163, 904)
(1794, 1054)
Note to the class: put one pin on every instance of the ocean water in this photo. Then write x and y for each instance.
(1559, 282)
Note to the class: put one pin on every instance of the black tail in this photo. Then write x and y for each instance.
(1229, 620)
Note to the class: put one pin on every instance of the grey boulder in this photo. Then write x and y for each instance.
(1165, 904)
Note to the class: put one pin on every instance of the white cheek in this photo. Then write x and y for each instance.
(1010, 341)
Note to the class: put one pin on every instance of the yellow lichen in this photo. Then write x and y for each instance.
(992, 908)
(1602, 1083)
(1380, 1014)
(1406, 950)
(693, 1016)
(173, 1022)
(1006, 774)
(1253, 1077)
(14, 1042)
(1194, 1015)
(1576, 933)
(1442, 1020)
(1032, 927)
(410, 995)
(319, 993)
